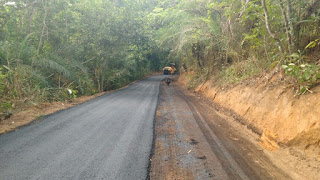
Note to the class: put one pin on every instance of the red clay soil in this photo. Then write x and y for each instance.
(194, 139)
(285, 125)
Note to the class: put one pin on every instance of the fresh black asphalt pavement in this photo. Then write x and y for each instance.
(109, 137)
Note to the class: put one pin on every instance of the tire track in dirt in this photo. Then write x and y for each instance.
(179, 149)
(193, 141)
(249, 157)
(225, 157)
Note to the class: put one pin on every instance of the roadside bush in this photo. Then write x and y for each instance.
(306, 73)
(2, 84)
(4, 105)
(60, 94)
(242, 70)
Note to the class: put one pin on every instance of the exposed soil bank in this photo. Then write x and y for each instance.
(272, 110)
(195, 141)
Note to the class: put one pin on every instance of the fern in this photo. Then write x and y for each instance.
(52, 66)
(25, 50)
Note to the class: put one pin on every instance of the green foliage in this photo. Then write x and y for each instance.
(306, 74)
(26, 51)
(194, 80)
(2, 84)
(313, 44)
(4, 106)
(242, 70)
(91, 46)
(222, 37)
(48, 47)
(72, 93)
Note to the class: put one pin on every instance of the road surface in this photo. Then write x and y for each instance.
(109, 137)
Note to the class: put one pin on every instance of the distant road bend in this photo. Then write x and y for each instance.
(109, 137)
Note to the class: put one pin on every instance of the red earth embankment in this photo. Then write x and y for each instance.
(271, 109)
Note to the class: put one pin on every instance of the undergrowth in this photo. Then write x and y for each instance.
(306, 73)
(231, 74)
(240, 71)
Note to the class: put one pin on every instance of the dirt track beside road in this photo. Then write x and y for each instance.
(195, 141)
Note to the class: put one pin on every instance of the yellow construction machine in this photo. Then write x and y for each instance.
(169, 69)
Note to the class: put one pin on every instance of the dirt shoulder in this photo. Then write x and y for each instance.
(252, 109)
(195, 140)
(272, 109)
(35, 113)
(178, 146)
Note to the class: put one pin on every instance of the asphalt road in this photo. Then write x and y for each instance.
(109, 137)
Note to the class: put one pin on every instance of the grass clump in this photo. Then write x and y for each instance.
(242, 70)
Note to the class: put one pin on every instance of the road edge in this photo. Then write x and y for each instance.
(153, 134)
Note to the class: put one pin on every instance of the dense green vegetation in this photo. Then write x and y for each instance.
(236, 39)
(90, 46)
(86, 46)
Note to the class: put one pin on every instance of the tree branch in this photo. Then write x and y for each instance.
(266, 14)
(43, 26)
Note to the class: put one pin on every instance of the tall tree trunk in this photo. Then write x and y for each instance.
(286, 24)
(97, 75)
(30, 18)
(102, 81)
(266, 14)
(102, 76)
(67, 28)
(44, 26)
(291, 27)
(230, 29)
(59, 83)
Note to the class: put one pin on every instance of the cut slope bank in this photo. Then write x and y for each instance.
(272, 110)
